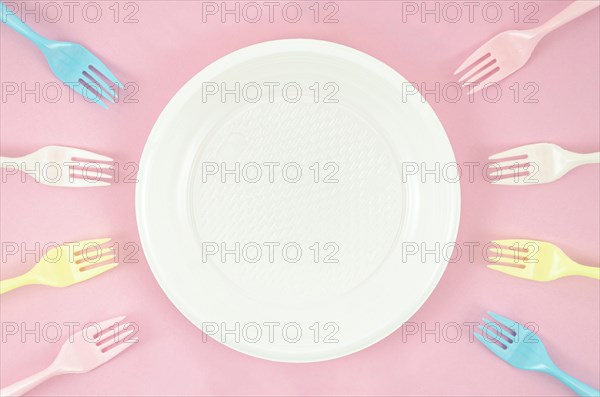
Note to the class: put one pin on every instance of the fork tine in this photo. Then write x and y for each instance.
(91, 166)
(90, 173)
(497, 350)
(503, 320)
(78, 88)
(478, 56)
(502, 335)
(488, 70)
(514, 152)
(496, 77)
(493, 78)
(86, 154)
(495, 336)
(97, 88)
(517, 177)
(509, 260)
(84, 244)
(511, 271)
(520, 172)
(478, 71)
(103, 326)
(96, 257)
(100, 67)
(508, 255)
(510, 163)
(510, 169)
(115, 335)
(94, 76)
(101, 252)
(90, 176)
(120, 348)
(106, 258)
(86, 274)
(505, 251)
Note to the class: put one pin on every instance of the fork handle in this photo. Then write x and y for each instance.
(9, 161)
(574, 10)
(8, 17)
(576, 385)
(23, 386)
(577, 159)
(585, 271)
(13, 283)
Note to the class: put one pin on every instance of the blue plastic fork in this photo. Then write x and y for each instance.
(72, 63)
(522, 348)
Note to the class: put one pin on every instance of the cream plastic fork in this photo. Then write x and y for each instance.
(81, 354)
(536, 260)
(508, 51)
(62, 159)
(66, 265)
(542, 163)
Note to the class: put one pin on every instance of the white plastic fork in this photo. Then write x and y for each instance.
(62, 166)
(82, 353)
(535, 164)
(509, 51)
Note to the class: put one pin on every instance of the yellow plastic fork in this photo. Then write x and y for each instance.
(536, 260)
(66, 265)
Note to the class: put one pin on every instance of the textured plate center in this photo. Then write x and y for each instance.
(296, 202)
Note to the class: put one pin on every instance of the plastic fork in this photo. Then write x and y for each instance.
(72, 63)
(66, 265)
(507, 52)
(523, 349)
(536, 260)
(82, 353)
(71, 167)
(537, 163)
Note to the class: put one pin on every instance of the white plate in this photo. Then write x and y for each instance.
(362, 131)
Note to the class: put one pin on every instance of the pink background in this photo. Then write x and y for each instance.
(166, 47)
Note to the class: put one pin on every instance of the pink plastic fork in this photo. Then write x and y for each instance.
(507, 52)
(84, 353)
